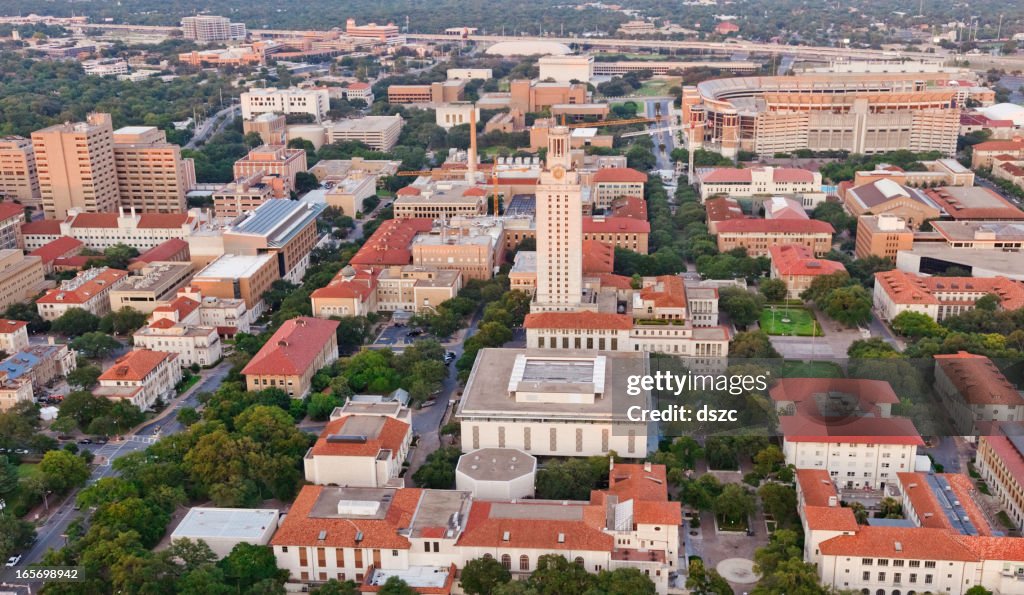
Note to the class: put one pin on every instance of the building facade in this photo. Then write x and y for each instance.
(76, 167)
(152, 177)
(19, 178)
(298, 349)
(142, 377)
(89, 291)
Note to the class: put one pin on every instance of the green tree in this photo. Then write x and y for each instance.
(83, 407)
(188, 416)
(916, 325)
(119, 255)
(75, 322)
(336, 587)
(734, 504)
(84, 377)
(304, 182)
(396, 586)
(252, 139)
(62, 470)
(249, 564)
(481, 575)
(123, 322)
(873, 348)
(8, 476)
(554, 575)
(16, 535)
(438, 471)
(752, 345)
(570, 479)
(29, 313)
(624, 580)
(784, 544)
(95, 345)
(849, 305)
(977, 590)
(779, 500)
(768, 460)
(705, 581)
(321, 405)
(742, 306)
(773, 290)
(792, 575)
(823, 285)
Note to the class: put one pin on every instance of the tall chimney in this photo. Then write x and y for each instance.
(471, 157)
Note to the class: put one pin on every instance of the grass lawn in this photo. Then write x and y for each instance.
(184, 385)
(655, 87)
(1005, 520)
(815, 369)
(790, 321)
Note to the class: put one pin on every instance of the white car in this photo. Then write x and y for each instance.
(13, 561)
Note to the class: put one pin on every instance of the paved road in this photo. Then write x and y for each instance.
(50, 534)
(213, 125)
(665, 137)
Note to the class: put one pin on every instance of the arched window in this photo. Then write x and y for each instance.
(880, 592)
(524, 562)
(506, 561)
(488, 556)
(579, 560)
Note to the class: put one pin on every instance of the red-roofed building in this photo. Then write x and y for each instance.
(974, 203)
(173, 250)
(974, 391)
(662, 298)
(940, 297)
(99, 231)
(1000, 461)
(611, 183)
(598, 257)
(795, 265)
(722, 209)
(747, 182)
(12, 216)
(726, 28)
(13, 335)
(759, 235)
(634, 207)
(299, 348)
(361, 451)
(62, 247)
(141, 377)
(621, 232)
(89, 290)
(982, 154)
(176, 327)
(390, 243)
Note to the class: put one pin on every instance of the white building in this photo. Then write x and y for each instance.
(559, 229)
(270, 100)
(360, 450)
(105, 67)
(208, 28)
(13, 335)
(224, 528)
(554, 403)
(752, 181)
(454, 74)
(449, 115)
(142, 378)
(99, 231)
(174, 327)
(378, 132)
(567, 69)
(497, 474)
(89, 291)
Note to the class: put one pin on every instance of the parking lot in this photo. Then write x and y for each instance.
(397, 337)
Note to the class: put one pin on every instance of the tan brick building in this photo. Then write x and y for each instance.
(273, 160)
(151, 175)
(758, 235)
(882, 235)
(76, 167)
(243, 277)
(292, 355)
(18, 176)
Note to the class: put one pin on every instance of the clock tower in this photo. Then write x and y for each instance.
(559, 230)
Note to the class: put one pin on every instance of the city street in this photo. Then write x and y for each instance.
(50, 535)
(664, 137)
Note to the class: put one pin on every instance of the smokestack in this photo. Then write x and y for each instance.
(471, 158)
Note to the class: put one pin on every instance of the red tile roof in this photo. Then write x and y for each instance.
(578, 320)
(293, 348)
(798, 260)
(391, 436)
(62, 246)
(487, 527)
(10, 209)
(164, 251)
(77, 262)
(1000, 145)
(616, 281)
(146, 220)
(909, 288)
(816, 486)
(870, 393)
(668, 291)
(723, 209)
(775, 226)
(162, 323)
(86, 291)
(634, 207)
(408, 191)
(619, 175)
(302, 528)
(830, 518)
(136, 365)
(648, 488)
(598, 257)
(389, 245)
(181, 305)
(930, 512)
(615, 225)
(9, 326)
(859, 430)
(913, 543)
(43, 227)
(978, 380)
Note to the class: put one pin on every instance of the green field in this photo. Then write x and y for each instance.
(657, 87)
(790, 321)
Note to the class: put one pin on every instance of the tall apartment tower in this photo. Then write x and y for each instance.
(559, 230)
(209, 28)
(19, 179)
(151, 175)
(76, 166)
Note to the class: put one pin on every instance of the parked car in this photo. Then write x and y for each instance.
(429, 403)
(414, 333)
(63, 437)
(85, 441)
(449, 357)
(13, 561)
(99, 439)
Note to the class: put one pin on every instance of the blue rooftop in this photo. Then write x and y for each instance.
(278, 220)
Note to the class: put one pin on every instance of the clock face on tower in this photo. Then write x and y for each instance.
(558, 171)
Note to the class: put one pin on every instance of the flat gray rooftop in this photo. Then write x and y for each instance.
(363, 425)
(546, 511)
(496, 464)
(326, 506)
(487, 389)
(436, 510)
(226, 522)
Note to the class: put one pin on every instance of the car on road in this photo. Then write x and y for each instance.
(449, 357)
(85, 441)
(99, 439)
(65, 437)
(428, 403)
(414, 333)
(13, 561)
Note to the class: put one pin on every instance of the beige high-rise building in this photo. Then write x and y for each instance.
(559, 229)
(76, 166)
(18, 176)
(151, 175)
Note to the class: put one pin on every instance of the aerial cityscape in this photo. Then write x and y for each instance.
(351, 298)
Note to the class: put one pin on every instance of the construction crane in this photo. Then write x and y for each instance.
(624, 122)
(423, 172)
(494, 183)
